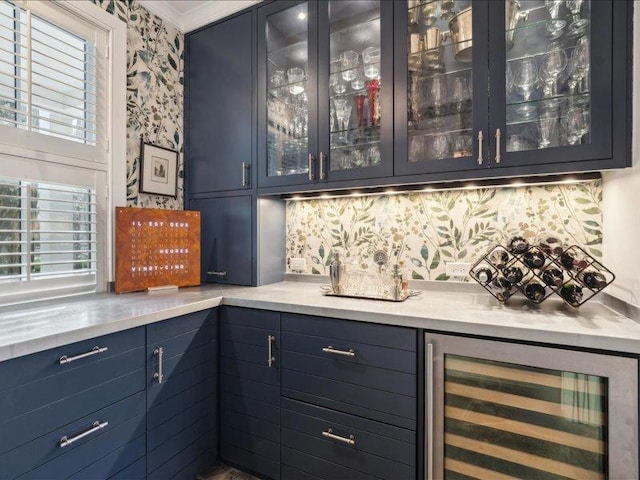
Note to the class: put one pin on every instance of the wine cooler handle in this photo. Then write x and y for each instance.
(245, 168)
(323, 174)
(312, 173)
(429, 413)
(480, 138)
(159, 352)
(498, 156)
(271, 360)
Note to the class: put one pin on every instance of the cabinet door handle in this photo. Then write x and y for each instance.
(271, 360)
(329, 434)
(245, 168)
(347, 353)
(323, 174)
(498, 156)
(94, 351)
(428, 368)
(159, 352)
(480, 138)
(312, 173)
(97, 425)
(218, 274)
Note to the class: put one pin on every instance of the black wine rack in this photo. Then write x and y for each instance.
(571, 273)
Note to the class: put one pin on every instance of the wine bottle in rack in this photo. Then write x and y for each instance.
(571, 293)
(533, 259)
(552, 277)
(512, 274)
(534, 292)
(518, 245)
(485, 275)
(594, 280)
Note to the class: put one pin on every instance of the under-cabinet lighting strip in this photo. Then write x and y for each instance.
(439, 187)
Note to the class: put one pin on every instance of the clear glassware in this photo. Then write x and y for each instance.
(460, 94)
(553, 63)
(556, 26)
(358, 82)
(429, 13)
(447, 11)
(440, 146)
(548, 127)
(579, 66)
(349, 60)
(295, 77)
(437, 94)
(578, 24)
(371, 62)
(576, 124)
(526, 79)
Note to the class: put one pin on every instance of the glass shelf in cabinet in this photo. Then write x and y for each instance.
(278, 52)
(538, 17)
(368, 24)
(355, 146)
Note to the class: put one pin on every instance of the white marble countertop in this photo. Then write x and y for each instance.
(37, 327)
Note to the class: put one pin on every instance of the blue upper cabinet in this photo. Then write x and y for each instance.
(325, 90)
(219, 100)
(490, 89)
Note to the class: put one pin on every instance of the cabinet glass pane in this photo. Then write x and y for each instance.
(504, 420)
(440, 38)
(355, 84)
(548, 73)
(287, 107)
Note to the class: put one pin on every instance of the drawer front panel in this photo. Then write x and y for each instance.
(114, 463)
(160, 331)
(24, 370)
(125, 424)
(160, 393)
(249, 389)
(250, 371)
(250, 461)
(290, 473)
(258, 409)
(135, 471)
(250, 317)
(179, 344)
(24, 428)
(249, 424)
(28, 397)
(173, 367)
(159, 413)
(380, 451)
(196, 452)
(368, 333)
(251, 443)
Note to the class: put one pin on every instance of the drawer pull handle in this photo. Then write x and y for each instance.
(271, 360)
(97, 425)
(347, 353)
(159, 352)
(428, 368)
(217, 274)
(94, 351)
(329, 434)
(498, 155)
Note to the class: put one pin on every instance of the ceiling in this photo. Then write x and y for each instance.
(188, 15)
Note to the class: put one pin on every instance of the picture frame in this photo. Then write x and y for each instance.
(158, 170)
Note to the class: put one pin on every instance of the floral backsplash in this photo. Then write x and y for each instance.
(428, 229)
(155, 72)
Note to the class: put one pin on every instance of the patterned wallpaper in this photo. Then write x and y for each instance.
(154, 93)
(428, 229)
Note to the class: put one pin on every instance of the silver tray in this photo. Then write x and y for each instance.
(328, 291)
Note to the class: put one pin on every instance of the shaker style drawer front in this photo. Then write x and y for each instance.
(86, 443)
(329, 444)
(159, 331)
(67, 358)
(328, 362)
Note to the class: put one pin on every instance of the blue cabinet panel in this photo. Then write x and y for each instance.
(249, 461)
(251, 443)
(117, 461)
(250, 317)
(176, 365)
(248, 423)
(159, 331)
(203, 372)
(198, 451)
(135, 471)
(249, 389)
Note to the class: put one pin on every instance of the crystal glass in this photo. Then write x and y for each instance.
(447, 9)
(553, 63)
(430, 13)
(556, 26)
(295, 76)
(548, 126)
(579, 66)
(349, 60)
(371, 62)
(525, 78)
(358, 82)
(576, 124)
(578, 25)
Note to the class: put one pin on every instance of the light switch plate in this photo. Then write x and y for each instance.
(298, 265)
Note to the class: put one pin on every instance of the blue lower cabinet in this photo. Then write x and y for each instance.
(250, 390)
(327, 444)
(181, 396)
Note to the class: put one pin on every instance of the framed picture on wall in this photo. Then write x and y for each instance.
(158, 170)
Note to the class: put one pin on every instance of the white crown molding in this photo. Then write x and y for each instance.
(198, 16)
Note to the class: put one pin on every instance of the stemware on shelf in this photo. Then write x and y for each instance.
(553, 63)
(576, 124)
(295, 76)
(556, 26)
(548, 127)
(358, 82)
(526, 79)
(371, 62)
(277, 79)
(579, 67)
(578, 24)
(440, 146)
(349, 61)
(437, 94)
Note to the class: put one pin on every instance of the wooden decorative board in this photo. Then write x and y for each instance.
(156, 247)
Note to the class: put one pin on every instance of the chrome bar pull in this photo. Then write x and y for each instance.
(94, 351)
(329, 434)
(498, 156)
(429, 413)
(272, 359)
(245, 168)
(323, 173)
(97, 425)
(480, 138)
(217, 274)
(346, 353)
(159, 352)
(312, 173)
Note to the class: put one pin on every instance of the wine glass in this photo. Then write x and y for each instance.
(554, 61)
(579, 64)
(340, 105)
(578, 25)
(556, 25)
(440, 146)
(371, 62)
(548, 127)
(577, 124)
(358, 82)
(525, 78)
(447, 11)
(437, 94)
(349, 60)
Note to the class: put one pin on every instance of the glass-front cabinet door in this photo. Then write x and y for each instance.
(441, 109)
(287, 60)
(503, 410)
(355, 89)
(547, 102)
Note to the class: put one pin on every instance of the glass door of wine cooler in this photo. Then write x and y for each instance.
(498, 410)
(548, 103)
(441, 100)
(356, 89)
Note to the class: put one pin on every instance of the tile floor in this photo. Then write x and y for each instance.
(224, 472)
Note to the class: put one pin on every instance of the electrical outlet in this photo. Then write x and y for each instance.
(298, 265)
(458, 269)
